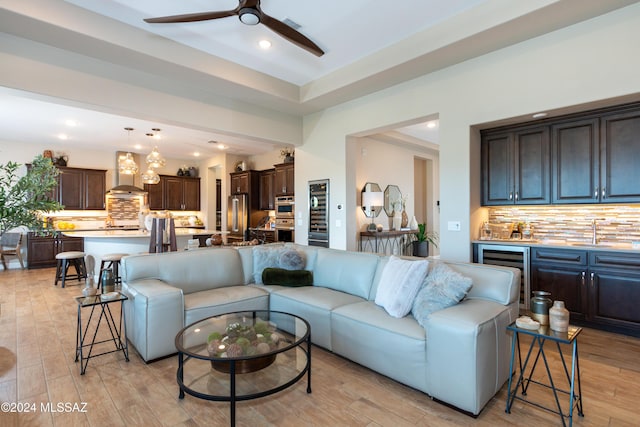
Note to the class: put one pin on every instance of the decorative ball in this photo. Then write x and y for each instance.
(234, 350)
(379, 227)
(262, 348)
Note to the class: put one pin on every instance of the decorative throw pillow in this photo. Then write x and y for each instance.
(290, 259)
(282, 277)
(443, 287)
(400, 281)
(264, 257)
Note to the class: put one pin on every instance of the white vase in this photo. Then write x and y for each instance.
(414, 223)
(397, 219)
(559, 317)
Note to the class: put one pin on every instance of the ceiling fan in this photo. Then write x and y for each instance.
(249, 13)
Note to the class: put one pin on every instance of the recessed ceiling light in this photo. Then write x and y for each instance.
(71, 123)
(62, 136)
(137, 147)
(432, 124)
(539, 115)
(264, 44)
(196, 154)
(222, 147)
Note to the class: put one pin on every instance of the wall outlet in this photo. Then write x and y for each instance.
(453, 226)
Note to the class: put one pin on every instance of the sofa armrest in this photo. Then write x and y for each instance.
(468, 353)
(154, 315)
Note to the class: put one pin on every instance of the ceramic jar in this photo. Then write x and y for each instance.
(539, 305)
(559, 317)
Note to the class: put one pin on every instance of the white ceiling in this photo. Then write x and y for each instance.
(370, 45)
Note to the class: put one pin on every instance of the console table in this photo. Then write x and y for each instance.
(390, 242)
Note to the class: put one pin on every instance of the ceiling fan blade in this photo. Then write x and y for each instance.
(290, 34)
(192, 17)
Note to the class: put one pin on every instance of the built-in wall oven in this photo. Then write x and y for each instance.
(319, 213)
(285, 219)
(285, 207)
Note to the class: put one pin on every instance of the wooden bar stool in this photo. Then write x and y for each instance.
(66, 259)
(111, 261)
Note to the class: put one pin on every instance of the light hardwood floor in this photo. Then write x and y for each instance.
(37, 345)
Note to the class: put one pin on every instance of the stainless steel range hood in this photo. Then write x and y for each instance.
(126, 185)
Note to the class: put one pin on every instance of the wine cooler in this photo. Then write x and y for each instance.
(319, 213)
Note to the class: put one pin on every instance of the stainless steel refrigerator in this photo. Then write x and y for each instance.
(237, 217)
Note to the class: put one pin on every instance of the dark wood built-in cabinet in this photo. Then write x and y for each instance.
(591, 157)
(285, 179)
(245, 182)
(42, 250)
(267, 187)
(600, 289)
(81, 189)
(175, 193)
(516, 167)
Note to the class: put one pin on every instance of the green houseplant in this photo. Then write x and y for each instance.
(24, 198)
(423, 238)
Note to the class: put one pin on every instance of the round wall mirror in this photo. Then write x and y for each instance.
(372, 199)
(392, 195)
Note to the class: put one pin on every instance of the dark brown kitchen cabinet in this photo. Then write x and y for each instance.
(246, 182)
(575, 157)
(620, 157)
(174, 193)
(267, 194)
(155, 195)
(285, 179)
(600, 289)
(181, 193)
(42, 250)
(81, 189)
(563, 273)
(515, 167)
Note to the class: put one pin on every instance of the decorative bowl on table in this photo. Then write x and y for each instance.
(238, 341)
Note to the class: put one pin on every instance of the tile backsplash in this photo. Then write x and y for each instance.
(573, 223)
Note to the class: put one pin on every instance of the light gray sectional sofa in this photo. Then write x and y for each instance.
(460, 357)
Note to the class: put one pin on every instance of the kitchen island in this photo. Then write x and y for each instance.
(98, 243)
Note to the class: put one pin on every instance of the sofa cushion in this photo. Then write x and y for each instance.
(291, 259)
(443, 287)
(203, 304)
(401, 279)
(290, 278)
(349, 272)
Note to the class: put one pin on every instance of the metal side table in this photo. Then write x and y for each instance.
(117, 330)
(539, 338)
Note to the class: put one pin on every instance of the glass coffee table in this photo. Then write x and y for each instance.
(243, 355)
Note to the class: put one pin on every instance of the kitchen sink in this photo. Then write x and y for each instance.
(599, 245)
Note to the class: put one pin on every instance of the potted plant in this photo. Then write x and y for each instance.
(24, 199)
(423, 238)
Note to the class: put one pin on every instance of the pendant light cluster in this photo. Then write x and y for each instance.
(126, 164)
(154, 162)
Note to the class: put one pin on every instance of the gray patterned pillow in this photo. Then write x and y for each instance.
(264, 257)
(290, 259)
(442, 288)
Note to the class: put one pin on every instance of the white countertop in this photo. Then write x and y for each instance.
(119, 233)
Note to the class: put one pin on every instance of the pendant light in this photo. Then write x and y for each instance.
(127, 165)
(150, 176)
(155, 160)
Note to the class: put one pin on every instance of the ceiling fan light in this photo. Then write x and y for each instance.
(155, 160)
(249, 16)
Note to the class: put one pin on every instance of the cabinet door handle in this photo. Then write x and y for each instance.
(593, 279)
(511, 196)
(595, 193)
(583, 277)
(516, 196)
(604, 192)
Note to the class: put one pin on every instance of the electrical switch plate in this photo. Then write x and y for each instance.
(453, 226)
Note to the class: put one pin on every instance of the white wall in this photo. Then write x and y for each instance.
(585, 63)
